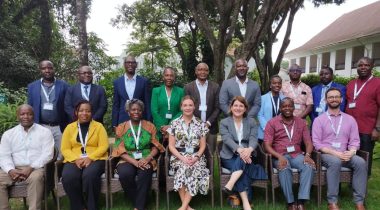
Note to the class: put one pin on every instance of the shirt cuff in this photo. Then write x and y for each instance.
(6, 169)
(208, 122)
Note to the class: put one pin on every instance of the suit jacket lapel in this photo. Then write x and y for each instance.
(57, 88)
(91, 130)
(92, 92)
(246, 130)
(137, 86)
(233, 129)
(197, 93)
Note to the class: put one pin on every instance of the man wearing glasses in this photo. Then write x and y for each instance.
(336, 136)
(85, 90)
(299, 92)
(363, 103)
(127, 87)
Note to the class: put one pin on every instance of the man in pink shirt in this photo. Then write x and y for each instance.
(336, 135)
(299, 92)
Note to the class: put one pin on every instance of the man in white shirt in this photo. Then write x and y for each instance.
(24, 150)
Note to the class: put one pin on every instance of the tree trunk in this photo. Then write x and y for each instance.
(81, 16)
(218, 69)
(46, 30)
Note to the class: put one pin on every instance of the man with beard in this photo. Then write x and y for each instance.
(47, 96)
(283, 137)
(206, 96)
(363, 103)
(299, 92)
(336, 136)
(24, 150)
(127, 87)
(85, 90)
(240, 85)
(326, 76)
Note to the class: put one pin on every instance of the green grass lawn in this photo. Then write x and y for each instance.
(203, 202)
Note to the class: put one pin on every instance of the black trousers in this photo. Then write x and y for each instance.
(136, 183)
(76, 181)
(367, 145)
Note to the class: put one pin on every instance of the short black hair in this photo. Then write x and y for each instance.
(328, 68)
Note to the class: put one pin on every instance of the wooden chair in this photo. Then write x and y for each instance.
(170, 177)
(58, 186)
(19, 189)
(296, 176)
(345, 173)
(115, 185)
(225, 174)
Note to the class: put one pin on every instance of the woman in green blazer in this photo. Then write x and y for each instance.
(165, 103)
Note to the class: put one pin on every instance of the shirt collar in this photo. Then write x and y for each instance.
(127, 78)
(22, 128)
(82, 85)
(339, 113)
(328, 85)
(286, 123)
(296, 84)
(238, 81)
(200, 84)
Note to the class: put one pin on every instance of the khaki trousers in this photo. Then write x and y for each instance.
(35, 189)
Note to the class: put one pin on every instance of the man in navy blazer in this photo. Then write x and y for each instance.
(240, 85)
(127, 87)
(46, 96)
(85, 90)
(326, 76)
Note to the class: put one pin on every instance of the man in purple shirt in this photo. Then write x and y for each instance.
(282, 139)
(336, 135)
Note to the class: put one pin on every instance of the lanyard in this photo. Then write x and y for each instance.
(47, 95)
(83, 141)
(276, 108)
(336, 132)
(137, 138)
(168, 97)
(290, 135)
(356, 91)
(294, 92)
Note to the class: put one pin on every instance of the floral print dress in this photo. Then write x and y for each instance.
(195, 177)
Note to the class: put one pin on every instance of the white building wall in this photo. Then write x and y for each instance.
(307, 65)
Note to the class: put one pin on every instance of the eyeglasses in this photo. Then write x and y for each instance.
(83, 73)
(295, 71)
(333, 97)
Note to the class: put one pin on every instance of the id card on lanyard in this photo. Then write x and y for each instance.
(168, 115)
(83, 141)
(48, 105)
(291, 148)
(276, 107)
(336, 144)
(137, 154)
(357, 92)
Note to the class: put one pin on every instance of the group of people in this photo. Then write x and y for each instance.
(186, 120)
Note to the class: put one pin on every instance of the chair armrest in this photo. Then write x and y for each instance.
(158, 165)
(167, 159)
(316, 156)
(209, 159)
(217, 154)
(261, 157)
(363, 154)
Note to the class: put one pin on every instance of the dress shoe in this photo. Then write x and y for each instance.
(360, 206)
(292, 207)
(333, 206)
(300, 207)
(227, 191)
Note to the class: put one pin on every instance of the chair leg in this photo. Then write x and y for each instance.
(107, 204)
(273, 199)
(24, 199)
(58, 204)
(111, 200)
(212, 198)
(221, 197)
(266, 196)
(157, 199)
(167, 200)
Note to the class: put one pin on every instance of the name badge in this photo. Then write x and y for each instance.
(84, 155)
(48, 106)
(203, 108)
(352, 105)
(297, 106)
(168, 116)
(318, 109)
(189, 150)
(336, 145)
(290, 149)
(137, 155)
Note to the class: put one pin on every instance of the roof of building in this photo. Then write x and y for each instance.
(359, 23)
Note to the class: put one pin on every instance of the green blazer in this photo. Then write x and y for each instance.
(159, 106)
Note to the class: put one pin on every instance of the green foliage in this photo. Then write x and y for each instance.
(313, 79)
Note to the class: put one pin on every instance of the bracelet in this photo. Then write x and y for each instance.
(197, 156)
(307, 154)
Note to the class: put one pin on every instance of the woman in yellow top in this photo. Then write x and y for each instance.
(84, 148)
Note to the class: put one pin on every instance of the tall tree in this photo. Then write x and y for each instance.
(81, 18)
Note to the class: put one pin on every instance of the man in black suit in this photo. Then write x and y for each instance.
(206, 96)
(85, 90)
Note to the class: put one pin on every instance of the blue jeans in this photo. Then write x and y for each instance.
(286, 177)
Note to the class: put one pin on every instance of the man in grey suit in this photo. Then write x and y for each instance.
(206, 96)
(240, 85)
(85, 90)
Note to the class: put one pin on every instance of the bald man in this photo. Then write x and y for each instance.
(85, 90)
(206, 96)
(240, 85)
(24, 150)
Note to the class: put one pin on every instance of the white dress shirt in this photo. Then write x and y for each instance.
(202, 93)
(130, 85)
(242, 86)
(84, 96)
(33, 148)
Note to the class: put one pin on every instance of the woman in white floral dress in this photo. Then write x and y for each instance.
(187, 143)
